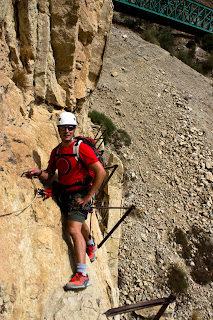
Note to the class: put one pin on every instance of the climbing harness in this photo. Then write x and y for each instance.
(48, 193)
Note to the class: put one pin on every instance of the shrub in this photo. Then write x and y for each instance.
(202, 271)
(177, 280)
(127, 20)
(150, 35)
(197, 39)
(166, 39)
(181, 55)
(191, 44)
(118, 137)
(208, 64)
(102, 119)
(121, 137)
(207, 42)
(197, 66)
(181, 239)
(160, 36)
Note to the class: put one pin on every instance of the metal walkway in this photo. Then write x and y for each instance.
(187, 12)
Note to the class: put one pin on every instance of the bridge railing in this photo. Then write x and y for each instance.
(188, 12)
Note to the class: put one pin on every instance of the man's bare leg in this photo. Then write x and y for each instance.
(75, 230)
(85, 231)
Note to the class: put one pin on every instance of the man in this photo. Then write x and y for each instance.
(80, 180)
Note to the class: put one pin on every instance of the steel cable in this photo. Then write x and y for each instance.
(21, 210)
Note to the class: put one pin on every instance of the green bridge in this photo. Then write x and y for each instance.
(187, 12)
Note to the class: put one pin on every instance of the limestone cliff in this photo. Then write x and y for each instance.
(56, 48)
(51, 57)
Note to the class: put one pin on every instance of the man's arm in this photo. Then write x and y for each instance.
(100, 173)
(43, 175)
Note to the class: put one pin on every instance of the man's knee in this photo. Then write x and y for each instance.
(74, 229)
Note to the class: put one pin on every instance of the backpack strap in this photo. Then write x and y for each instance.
(57, 148)
(54, 160)
(64, 154)
(76, 149)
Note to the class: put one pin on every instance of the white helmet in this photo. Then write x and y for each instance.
(67, 118)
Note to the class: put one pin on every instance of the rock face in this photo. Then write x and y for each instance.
(36, 253)
(56, 48)
(51, 56)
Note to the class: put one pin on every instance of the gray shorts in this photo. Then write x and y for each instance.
(75, 213)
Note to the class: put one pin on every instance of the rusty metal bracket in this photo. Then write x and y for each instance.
(143, 304)
(110, 176)
(115, 227)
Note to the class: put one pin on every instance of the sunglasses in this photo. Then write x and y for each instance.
(70, 128)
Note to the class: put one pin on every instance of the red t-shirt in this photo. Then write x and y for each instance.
(69, 169)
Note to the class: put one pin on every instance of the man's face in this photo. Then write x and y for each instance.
(66, 132)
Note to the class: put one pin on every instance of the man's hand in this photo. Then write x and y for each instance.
(33, 172)
(43, 175)
(83, 201)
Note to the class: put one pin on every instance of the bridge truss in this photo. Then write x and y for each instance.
(188, 12)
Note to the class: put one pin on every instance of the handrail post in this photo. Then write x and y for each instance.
(171, 298)
(115, 227)
(142, 305)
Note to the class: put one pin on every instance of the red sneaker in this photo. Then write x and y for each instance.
(90, 250)
(78, 281)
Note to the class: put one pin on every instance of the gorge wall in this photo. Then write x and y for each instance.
(55, 48)
(51, 56)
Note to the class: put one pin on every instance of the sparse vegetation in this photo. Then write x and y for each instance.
(207, 42)
(101, 119)
(166, 39)
(127, 20)
(180, 238)
(150, 35)
(177, 280)
(118, 137)
(191, 44)
(183, 56)
(121, 137)
(202, 271)
(207, 65)
(163, 37)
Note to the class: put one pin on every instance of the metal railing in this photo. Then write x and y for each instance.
(187, 12)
